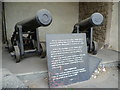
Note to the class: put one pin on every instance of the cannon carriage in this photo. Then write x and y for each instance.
(25, 38)
(86, 26)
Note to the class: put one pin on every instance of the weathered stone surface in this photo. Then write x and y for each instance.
(11, 81)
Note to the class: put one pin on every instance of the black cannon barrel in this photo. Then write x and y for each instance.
(42, 18)
(95, 19)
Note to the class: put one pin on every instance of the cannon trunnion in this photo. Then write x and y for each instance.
(86, 26)
(25, 38)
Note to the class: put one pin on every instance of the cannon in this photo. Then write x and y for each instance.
(86, 26)
(25, 38)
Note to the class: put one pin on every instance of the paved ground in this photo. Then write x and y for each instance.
(107, 79)
(36, 64)
(10, 80)
(30, 64)
(108, 56)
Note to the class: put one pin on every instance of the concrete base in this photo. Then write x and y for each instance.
(33, 71)
(11, 81)
(36, 64)
(106, 79)
(107, 56)
(28, 64)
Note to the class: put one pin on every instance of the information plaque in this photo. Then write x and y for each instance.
(67, 59)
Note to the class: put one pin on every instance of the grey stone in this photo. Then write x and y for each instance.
(11, 81)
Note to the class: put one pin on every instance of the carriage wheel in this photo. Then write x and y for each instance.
(10, 48)
(95, 48)
(43, 47)
(17, 53)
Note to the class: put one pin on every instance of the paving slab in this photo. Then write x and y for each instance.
(11, 81)
(103, 79)
(107, 55)
(27, 64)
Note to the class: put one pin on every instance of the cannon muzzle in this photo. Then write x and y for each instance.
(42, 18)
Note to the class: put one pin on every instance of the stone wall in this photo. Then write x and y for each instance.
(113, 37)
(88, 8)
